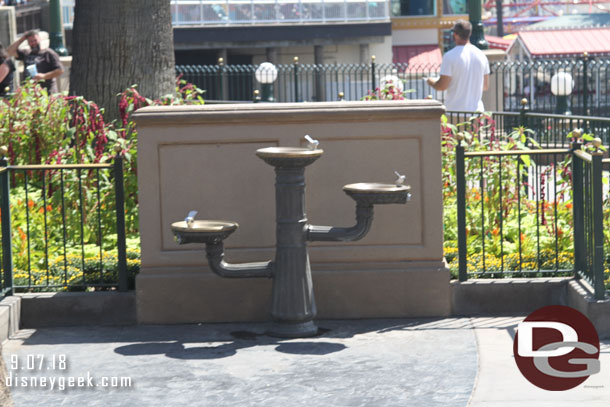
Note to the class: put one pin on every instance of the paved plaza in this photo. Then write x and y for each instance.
(391, 362)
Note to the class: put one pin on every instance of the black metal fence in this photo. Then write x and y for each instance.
(571, 85)
(308, 82)
(588, 197)
(580, 86)
(530, 213)
(56, 210)
(547, 129)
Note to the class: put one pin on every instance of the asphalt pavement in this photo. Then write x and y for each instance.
(390, 362)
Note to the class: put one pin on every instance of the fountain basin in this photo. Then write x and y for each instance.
(203, 231)
(374, 193)
(289, 157)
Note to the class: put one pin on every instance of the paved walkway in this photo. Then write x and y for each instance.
(446, 362)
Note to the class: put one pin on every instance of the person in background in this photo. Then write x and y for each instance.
(464, 73)
(41, 64)
(7, 68)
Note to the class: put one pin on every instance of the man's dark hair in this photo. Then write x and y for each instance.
(463, 29)
(31, 33)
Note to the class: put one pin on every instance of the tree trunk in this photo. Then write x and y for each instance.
(119, 43)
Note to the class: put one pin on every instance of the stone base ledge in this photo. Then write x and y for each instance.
(40, 310)
(521, 296)
(10, 315)
(580, 297)
(507, 295)
(187, 297)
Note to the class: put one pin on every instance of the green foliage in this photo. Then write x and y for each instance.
(72, 211)
(75, 273)
(514, 222)
(391, 89)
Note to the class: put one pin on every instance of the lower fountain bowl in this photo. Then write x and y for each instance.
(203, 231)
(374, 193)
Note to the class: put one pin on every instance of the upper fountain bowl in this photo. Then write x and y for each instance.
(289, 157)
(373, 193)
(203, 231)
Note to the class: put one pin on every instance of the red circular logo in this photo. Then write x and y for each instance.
(556, 348)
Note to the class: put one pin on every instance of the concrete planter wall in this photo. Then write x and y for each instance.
(203, 158)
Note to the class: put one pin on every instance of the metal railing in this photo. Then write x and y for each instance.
(577, 85)
(70, 197)
(548, 130)
(530, 212)
(309, 82)
(588, 83)
(251, 12)
(589, 218)
(231, 12)
(67, 13)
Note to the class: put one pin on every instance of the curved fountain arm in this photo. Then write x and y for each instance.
(364, 219)
(215, 255)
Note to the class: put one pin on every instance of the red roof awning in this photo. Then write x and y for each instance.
(498, 42)
(595, 41)
(418, 56)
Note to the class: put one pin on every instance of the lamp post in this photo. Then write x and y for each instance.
(474, 14)
(56, 39)
(266, 74)
(562, 85)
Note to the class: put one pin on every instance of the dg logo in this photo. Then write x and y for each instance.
(556, 348)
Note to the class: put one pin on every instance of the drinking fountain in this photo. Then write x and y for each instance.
(293, 306)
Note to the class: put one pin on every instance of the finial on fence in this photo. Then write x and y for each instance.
(295, 60)
(597, 142)
(3, 151)
(585, 55)
(341, 96)
(221, 61)
(459, 137)
(118, 148)
(524, 102)
(373, 57)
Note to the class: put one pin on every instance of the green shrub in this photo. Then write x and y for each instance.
(72, 272)
(47, 219)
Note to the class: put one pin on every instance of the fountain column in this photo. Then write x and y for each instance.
(293, 306)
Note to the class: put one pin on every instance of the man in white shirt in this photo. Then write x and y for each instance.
(464, 73)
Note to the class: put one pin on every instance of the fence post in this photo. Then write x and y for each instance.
(5, 206)
(578, 210)
(374, 85)
(221, 79)
(296, 78)
(120, 218)
(598, 224)
(585, 83)
(460, 174)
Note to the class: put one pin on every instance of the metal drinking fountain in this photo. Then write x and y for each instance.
(293, 306)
